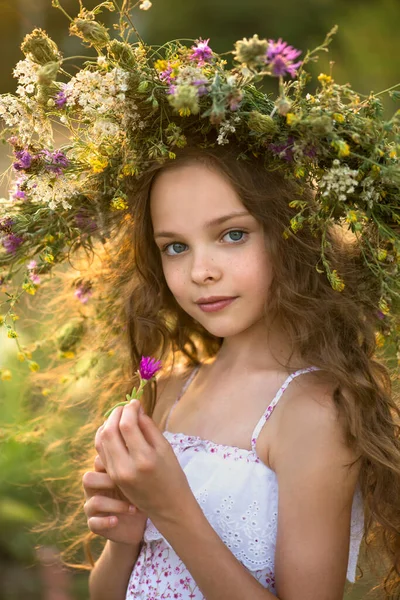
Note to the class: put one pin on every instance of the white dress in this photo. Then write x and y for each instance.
(238, 494)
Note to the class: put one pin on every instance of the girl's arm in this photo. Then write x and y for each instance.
(110, 576)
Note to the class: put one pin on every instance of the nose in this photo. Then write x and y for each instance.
(204, 267)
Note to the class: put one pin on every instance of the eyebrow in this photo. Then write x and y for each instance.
(208, 225)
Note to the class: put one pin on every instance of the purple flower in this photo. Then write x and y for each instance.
(84, 291)
(61, 98)
(148, 367)
(167, 75)
(281, 56)
(202, 52)
(55, 161)
(12, 242)
(380, 315)
(201, 85)
(85, 222)
(24, 160)
(284, 150)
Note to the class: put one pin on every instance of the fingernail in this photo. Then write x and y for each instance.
(132, 508)
(141, 410)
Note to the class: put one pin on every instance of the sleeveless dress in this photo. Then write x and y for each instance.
(238, 494)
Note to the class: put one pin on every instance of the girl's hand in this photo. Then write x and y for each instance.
(107, 509)
(142, 463)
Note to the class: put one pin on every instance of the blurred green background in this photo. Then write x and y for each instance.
(365, 52)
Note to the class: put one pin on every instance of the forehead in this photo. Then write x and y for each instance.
(190, 195)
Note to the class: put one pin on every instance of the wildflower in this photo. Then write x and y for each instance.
(33, 366)
(41, 47)
(325, 79)
(339, 180)
(263, 124)
(11, 333)
(336, 282)
(54, 161)
(60, 98)
(6, 374)
(351, 216)
(12, 242)
(251, 52)
(32, 272)
(281, 56)
(145, 5)
(90, 31)
(21, 356)
(148, 367)
(343, 149)
(284, 150)
(24, 160)
(185, 100)
(291, 118)
(29, 288)
(202, 52)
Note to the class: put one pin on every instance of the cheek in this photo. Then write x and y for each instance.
(174, 277)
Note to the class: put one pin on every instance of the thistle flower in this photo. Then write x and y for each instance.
(40, 47)
(281, 56)
(148, 367)
(251, 52)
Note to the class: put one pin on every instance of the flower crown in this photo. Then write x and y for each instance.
(133, 104)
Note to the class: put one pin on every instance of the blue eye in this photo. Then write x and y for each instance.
(234, 237)
(170, 246)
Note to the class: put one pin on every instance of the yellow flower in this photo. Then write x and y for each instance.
(393, 154)
(380, 339)
(110, 352)
(45, 391)
(49, 238)
(291, 118)
(1, 320)
(33, 366)
(339, 117)
(64, 379)
(129, 169)
(6, 374)
(171, 155)
(375, 169)
(343, 149)
(351, 217)
(28, 354)
(29, 288)
(14, 317)
(295, 225)
(21, 356)
(325, 78)
(49, 258)
(383, 306)
(98, 163)
(119, 204)
(184, 112)
(11, 333)
(336, 282)
(68, 354)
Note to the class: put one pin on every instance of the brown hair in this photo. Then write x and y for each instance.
(333, 330)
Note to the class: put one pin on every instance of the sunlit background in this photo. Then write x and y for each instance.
(365, 52)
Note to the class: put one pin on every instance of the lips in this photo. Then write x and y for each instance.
(215, 305)
(212, 299)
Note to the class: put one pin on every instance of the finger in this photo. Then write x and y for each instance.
(93, 481)
(103, 504)
(99, 465)
(110, 436)
(131, 431)
(100, 525)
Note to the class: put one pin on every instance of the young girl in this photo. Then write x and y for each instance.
(269, 447)
(247, 480)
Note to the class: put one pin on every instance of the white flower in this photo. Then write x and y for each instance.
(145, 5)
(98, 92)
(52, 190)
(224, 129)
(339, 180)
(103, 128)
(369, 193)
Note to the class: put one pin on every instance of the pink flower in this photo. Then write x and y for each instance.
(148, 367)
(202, 52)
(281, 56)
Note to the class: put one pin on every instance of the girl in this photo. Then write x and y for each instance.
(264, 460)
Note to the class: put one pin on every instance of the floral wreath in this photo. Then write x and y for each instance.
(133, 104)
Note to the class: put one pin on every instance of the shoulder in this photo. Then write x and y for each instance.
(316, 490)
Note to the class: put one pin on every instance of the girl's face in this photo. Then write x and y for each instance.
(210, 246)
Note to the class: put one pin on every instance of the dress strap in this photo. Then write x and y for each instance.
(274, 402)
(183, 390)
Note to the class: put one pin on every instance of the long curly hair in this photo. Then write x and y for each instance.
(333, 330)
